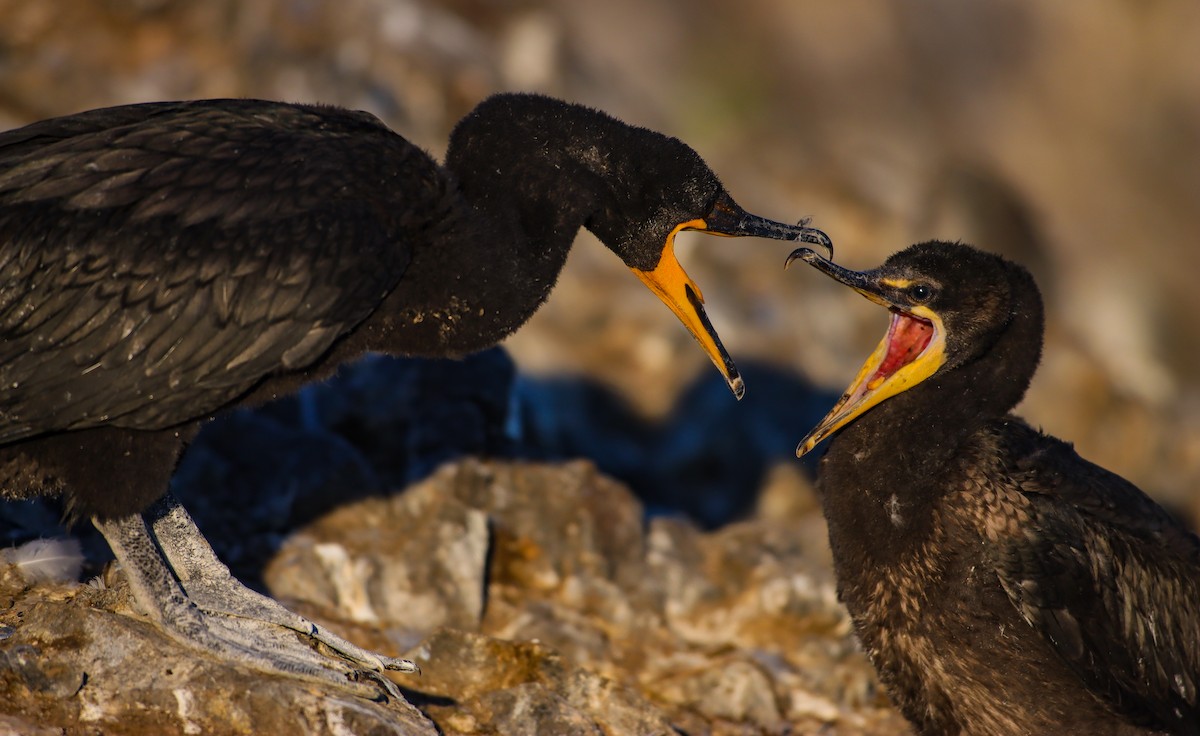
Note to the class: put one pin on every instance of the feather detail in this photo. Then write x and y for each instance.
(47, 560)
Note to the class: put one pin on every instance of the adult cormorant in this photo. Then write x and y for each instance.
(162, 262)
(1000, 583)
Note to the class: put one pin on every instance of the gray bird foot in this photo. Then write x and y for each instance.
(177, 579)
(211, 586)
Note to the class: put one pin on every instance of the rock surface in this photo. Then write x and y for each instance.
(533, 596)
(78, 660)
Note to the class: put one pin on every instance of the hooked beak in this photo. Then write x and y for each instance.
(675, 288)
(912, 350)
(727, 218)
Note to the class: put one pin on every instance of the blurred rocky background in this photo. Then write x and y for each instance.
(1065, 137)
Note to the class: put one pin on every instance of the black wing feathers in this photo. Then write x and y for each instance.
(157, 261)
(1112, 580)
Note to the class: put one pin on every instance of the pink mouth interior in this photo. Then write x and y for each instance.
(907, 337)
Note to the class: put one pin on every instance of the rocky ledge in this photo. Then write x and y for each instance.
(535, 597)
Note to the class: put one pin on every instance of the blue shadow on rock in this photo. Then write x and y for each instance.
(706, 459)
(253, 475)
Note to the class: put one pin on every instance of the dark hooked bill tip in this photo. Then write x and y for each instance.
(800, 232)
(808, 255)
(728, 218)
(814, 236)
(850, 278)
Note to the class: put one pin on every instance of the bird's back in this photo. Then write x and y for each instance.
(158, 260)
(1109, 578)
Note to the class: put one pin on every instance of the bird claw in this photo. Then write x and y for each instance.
(395, 664)
(363, 676)
(210, 610)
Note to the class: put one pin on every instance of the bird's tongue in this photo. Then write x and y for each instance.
(907, 337)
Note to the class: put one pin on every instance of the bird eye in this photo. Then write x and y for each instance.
(920, 292)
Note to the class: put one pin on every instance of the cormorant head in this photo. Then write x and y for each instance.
(654, 188)
(950, 304)
(635, 189)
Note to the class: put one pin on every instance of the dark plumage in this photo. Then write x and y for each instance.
(162, 262)
(1000, 583)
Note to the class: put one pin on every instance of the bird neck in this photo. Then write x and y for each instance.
(468, 290)
(885, 475)
(486, 265)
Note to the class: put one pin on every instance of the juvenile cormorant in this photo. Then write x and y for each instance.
(1000, 583)
(163, 262)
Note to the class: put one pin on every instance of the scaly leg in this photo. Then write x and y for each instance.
(211, 586)
(239, 635)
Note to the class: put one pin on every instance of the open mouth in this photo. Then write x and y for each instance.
(907, 337)
(913, 349)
